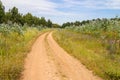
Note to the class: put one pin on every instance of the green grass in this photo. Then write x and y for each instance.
(91, 52)
(13, 50)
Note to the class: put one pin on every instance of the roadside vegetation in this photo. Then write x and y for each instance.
(15, 43)
(96, 43)
(17, 33)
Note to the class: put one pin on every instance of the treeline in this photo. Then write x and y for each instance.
(80, 23)
(14, 16)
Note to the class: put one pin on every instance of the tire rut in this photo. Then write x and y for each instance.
(52, 56)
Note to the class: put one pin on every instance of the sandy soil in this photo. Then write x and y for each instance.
(48, 61)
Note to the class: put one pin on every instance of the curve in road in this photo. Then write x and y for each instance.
(48, 61)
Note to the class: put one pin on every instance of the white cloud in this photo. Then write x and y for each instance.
(43, 5)
(94, 4)
(114, 4)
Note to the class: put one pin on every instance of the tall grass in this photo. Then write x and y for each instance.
(15, 42)
(106, 29)
(92, 51)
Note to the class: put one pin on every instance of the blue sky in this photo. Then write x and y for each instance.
(60, 11)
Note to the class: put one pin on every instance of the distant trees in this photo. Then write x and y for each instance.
(14, 16)
(76, 23)
(2, 12)
(28, 18)
(56, 26)
(49, 23)
(103, 21)
(66, 24)
(43, 21)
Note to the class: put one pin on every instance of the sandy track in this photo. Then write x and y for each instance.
(48, 61)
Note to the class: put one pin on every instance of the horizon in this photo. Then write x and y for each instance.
(62, 11)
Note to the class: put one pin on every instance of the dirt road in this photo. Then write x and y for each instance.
(48, 61)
